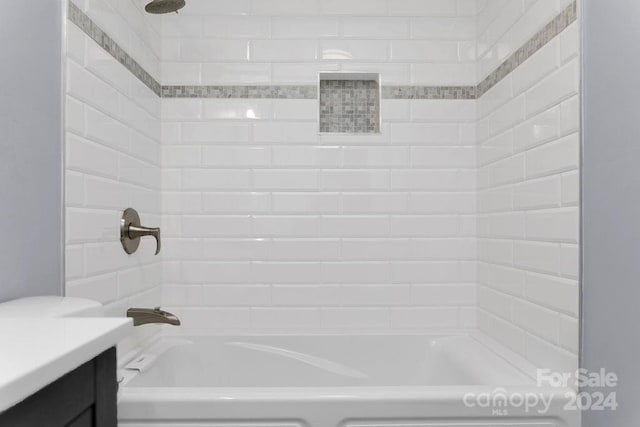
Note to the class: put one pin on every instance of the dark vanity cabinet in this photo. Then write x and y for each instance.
(84, 397)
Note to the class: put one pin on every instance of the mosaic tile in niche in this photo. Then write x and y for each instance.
(349, 106)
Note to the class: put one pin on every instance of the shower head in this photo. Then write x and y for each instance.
(164, 6)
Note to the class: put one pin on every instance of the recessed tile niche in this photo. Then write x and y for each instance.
(349, 103)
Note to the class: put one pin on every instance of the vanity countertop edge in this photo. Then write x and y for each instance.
(34, 352)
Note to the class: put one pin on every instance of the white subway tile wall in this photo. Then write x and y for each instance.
(266, 217)
(289, 42)
(297, 230)
(458, 214)
(528, 187)
(113, 161)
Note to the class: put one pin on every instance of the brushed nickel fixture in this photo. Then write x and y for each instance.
(143, 316)
(164, 6)
(131, 231)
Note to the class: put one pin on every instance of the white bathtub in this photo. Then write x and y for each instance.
(332, 380)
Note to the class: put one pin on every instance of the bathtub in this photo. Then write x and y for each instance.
(333, 380)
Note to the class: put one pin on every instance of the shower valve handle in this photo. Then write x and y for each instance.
(137, 231)
(131, 231)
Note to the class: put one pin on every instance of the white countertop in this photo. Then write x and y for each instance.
(34, 352)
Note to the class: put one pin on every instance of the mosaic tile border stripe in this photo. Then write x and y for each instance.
(311, 92)
(535, 43)
(78, 17)
(257, 92)
(429, 92)
(568, 16)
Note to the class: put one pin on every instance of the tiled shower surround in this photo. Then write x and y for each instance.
(274, 226)
(460, 213)
(113, 161)
(528, 190)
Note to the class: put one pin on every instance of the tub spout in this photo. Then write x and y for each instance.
(143, 316)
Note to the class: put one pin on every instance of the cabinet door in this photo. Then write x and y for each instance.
(85, 397)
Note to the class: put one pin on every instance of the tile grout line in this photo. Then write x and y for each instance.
(528, 49)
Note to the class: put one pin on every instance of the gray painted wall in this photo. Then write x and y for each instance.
(611, 201)
(31, 242)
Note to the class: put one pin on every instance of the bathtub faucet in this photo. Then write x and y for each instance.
(143, 316)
